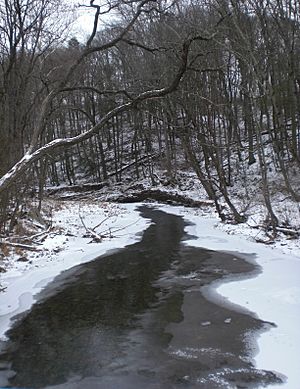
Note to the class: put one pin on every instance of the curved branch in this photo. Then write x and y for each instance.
(95, 26)
(86, 52)
(29, 158)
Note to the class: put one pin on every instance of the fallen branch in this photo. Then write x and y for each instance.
(120, 228)
(78, 188)
(128, 225)
(90, 233)
(288, 231)
(20, 245)
(103, 221)
(285, 230)
(108, 233)
(30, 238)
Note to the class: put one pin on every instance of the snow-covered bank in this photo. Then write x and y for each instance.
(23, 280)
(273, 296)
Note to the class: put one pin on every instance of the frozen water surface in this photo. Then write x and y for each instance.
(272, 295)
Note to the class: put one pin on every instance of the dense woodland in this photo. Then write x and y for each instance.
(211, 86)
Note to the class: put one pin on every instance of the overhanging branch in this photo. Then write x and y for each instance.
(29, 158)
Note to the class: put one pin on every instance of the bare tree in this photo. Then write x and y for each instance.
(68, 84)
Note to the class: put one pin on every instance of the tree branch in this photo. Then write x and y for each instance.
(88, 50)
(98, 91)
(30, 157)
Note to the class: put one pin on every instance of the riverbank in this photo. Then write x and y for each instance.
(62, 249)
(273, 295)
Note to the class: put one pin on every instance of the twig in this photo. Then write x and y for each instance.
(82, 222)
(107, 233)
(103, 221)
(120, 228)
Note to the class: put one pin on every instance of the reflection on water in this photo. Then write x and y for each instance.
(135, 319)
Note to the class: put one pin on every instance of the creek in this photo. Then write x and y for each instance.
(136, 318)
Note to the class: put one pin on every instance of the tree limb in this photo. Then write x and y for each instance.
(21, 246)
(31, 156)
(88, 50)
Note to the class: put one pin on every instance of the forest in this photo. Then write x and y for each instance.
(208, 87)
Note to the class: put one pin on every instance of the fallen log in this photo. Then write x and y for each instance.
(288, 231)
(77, 188)
(160, 196)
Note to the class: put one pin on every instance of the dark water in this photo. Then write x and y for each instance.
(135, 319)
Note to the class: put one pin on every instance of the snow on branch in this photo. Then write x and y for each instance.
(32, 155)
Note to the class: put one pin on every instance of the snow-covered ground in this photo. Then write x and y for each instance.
(274, 295)
(64, 248)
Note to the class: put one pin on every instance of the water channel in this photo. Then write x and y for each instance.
(136, 318)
